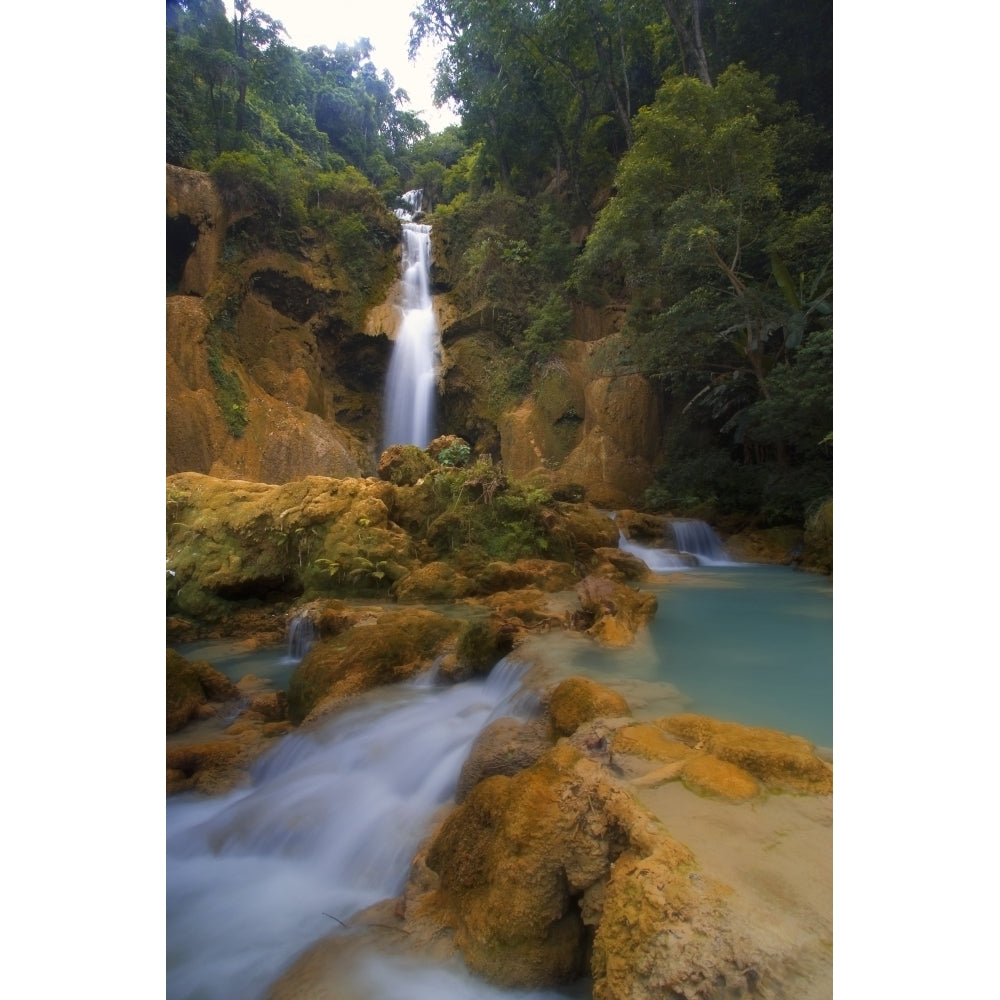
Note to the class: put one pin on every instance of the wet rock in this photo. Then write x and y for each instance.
(577, 700)
(385, 648)
(777, 760)
(530, 866)
(615, 612)
(189, 686)
(506, 746)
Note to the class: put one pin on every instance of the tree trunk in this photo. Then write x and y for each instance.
(690, 39)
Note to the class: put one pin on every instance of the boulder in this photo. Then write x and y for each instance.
(384, 648)
(613, 612)
(777, 760)
(530, 868)
(404, 464)
(189, 686)
(577, 700)
(506, 746)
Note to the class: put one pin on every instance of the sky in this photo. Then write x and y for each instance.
(385, 22)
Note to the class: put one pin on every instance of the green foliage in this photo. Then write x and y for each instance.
(483, 509)
(266, 187)
(455, 454)
(703, 238)
(230, 396)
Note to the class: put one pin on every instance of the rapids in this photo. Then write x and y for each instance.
(329, 825)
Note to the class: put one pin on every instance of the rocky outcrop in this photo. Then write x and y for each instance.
(192, 688)
(612, 612)
(779, 546)
(530, 867)
(577, 700)
(231, 544)
(559, 861)
(779, 761)
(588, 428)
(195, 230)
(384, 647)
(280, 328)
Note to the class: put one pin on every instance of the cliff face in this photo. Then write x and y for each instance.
(304, 386)
(272, 375)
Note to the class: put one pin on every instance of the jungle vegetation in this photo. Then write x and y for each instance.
(672, 156)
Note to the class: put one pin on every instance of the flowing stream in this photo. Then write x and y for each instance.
(335, 813)
(329, 826)
(411, 382)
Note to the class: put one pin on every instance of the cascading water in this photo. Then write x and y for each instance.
(330, 825)
(301, 636)
(697, 538)
(658, 560)
(695, 544)
(412, 378)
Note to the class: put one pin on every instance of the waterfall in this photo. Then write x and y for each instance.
(411, 382)
(301, 635)
(329, 825)
(697, 538)
(658, 560)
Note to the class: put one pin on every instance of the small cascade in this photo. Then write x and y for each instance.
(301, 635)
(697, 538)
(658, 560)
(411, 383)
(329, 825)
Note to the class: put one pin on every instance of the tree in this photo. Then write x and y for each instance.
(253, 33)
(702, 239)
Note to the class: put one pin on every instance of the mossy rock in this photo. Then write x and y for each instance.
(383, 649)
(616, 612)
(184, 691)
(648, 742)
(435, 582)
(190, 684)
(481, 645)
(577, 700)
(707, 775)
(404, 464)
(778, 760)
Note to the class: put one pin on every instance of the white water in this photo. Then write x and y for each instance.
(697, 545)
(697, 538)
(329, 826)
(411, 383)
(658, 560)
(301, 636)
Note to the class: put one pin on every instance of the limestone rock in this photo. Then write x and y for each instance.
(528, 863)
(389, 647)
(195, 229)
(437, 581)
(506, 746)
(577, 700)
(707, 775)
(777, 760)
(614, 612)
(189, 686)
(775, 546)
(404, 464)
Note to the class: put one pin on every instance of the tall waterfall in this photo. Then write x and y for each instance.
(412, 379)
